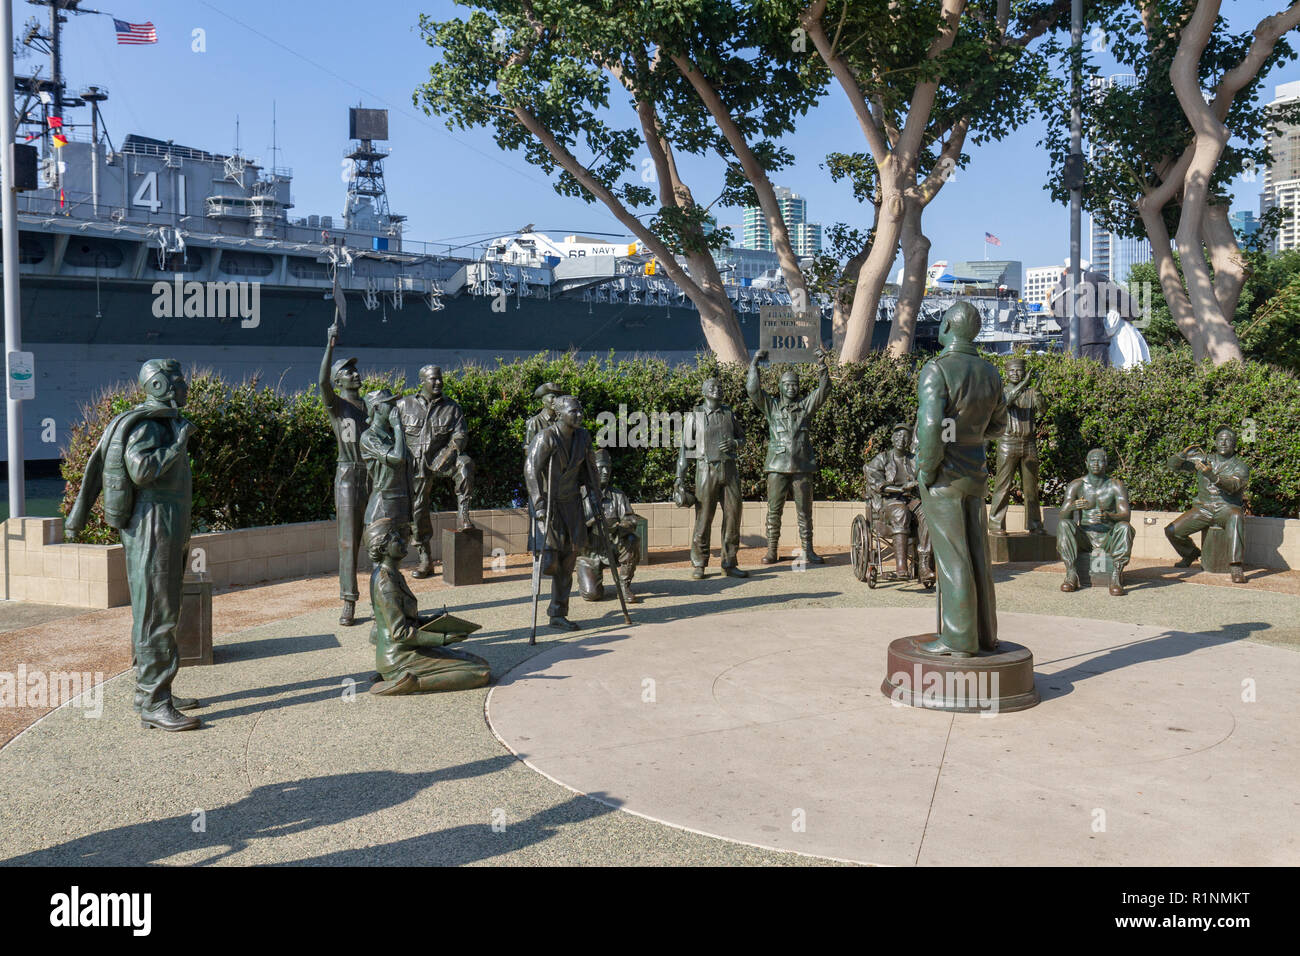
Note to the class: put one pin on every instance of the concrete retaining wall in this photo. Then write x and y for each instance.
(37, 566)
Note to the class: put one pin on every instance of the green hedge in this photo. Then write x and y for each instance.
(262, 457)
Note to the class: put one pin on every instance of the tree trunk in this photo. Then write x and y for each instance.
(1230, 268)
(718, 320)
(1171, 283)
(843, 302)
(916, 258)
(873, 275)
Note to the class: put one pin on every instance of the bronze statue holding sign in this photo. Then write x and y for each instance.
(142, 465)
(961, 406)
(791, 460)
(436, 439)
(411, 652)
(711, 435)
(340, 389)
(1096, 513)
(1221, 481)
(1018, 450)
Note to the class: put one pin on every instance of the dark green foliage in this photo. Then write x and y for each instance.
(262, 457)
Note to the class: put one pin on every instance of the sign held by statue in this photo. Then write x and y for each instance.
(787, 335)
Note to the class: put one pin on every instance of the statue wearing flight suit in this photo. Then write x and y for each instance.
(142, 465)
(960, 407)
(340, 389)
(791, 460)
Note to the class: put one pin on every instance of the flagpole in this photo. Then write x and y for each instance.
(9, 257)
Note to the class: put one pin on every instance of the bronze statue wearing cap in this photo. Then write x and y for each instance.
(340, 389)
(383, 449)
(620, 525)
(142, 465)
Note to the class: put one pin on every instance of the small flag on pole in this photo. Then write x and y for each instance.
(56, 122)
(58, 140)
(135, 32)
(991, 239)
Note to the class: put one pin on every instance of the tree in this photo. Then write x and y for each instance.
(703, 77)
(920, 77)
(1165, 148)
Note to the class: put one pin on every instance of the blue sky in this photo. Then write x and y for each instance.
(315, 59)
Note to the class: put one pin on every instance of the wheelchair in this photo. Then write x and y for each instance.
(871, 546)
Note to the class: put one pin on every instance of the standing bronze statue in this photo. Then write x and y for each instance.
(791, 460)
(620, 527)
(561, 465)
(895, 497)
(383, 449)
(1095, 513)
(1018, 450)
(1221, 481)
(340, 389)
(712, 436)
(411, 652)
(436, 439)
(960, 408)
(142, 465)
(547, 392)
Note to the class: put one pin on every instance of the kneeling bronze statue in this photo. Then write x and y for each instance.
(620, 529)
(410, 648)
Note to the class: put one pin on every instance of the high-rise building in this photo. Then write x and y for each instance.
(805, 236)
(1244, 224)
(1039, 281)
(1282, 177)
(1113, 255)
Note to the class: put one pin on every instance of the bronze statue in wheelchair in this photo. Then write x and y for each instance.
(893, 524)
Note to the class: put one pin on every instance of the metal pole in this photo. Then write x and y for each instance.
(1076, 154)
(9, 224)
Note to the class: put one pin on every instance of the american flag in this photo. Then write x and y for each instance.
(135, 32)
(992, 239)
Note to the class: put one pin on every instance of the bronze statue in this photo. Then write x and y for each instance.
(711, 435)
(620, 526)
(547, 392)
(1095, 513)
(561, 465)
(1221, 481)
(383, 449)
(436, 438)
(895, 498)
(411, 652)
(1018, 451)
(960, 408)
(142, 465)
(340, 389)
(791, 460)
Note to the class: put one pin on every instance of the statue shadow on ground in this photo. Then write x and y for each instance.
(279, 809)
(274, 647)
(1164, 646)
(325, 688)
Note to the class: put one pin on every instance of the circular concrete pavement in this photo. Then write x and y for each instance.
(1150, 747)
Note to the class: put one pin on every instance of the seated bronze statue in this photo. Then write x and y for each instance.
(1095, 513)
(1221, 481)
(410, 648)
(896, 503)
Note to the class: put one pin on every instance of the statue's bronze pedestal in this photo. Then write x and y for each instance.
(1021, 546)
(1214, 551)
(194, 626)
(462, 557)
(1000, 681)
(643, 539)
